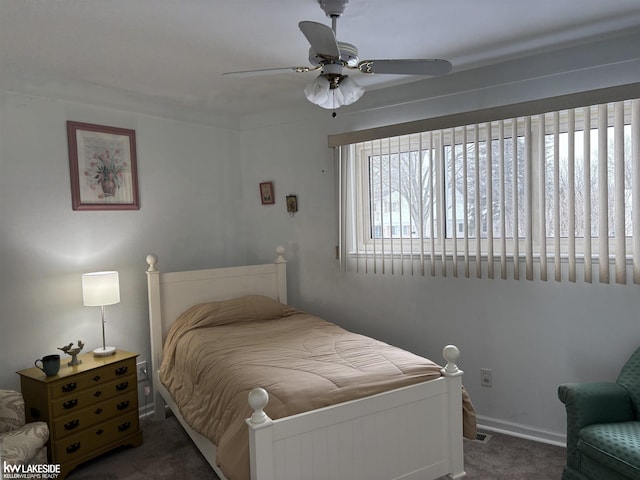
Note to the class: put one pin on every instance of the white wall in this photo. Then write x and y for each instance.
(189, 183)
(534, 335)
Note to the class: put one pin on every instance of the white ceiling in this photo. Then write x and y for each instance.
(174, 51)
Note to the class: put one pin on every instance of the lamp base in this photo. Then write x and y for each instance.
(104, 352)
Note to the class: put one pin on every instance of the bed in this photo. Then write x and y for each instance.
(413, 431)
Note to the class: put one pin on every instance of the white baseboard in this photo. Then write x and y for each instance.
(522, 431)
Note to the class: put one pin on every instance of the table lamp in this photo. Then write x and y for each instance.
(100, 289)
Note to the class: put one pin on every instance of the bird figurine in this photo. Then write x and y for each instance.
(70, 350)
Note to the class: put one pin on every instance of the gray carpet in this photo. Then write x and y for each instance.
(505, 457)
(167, 453)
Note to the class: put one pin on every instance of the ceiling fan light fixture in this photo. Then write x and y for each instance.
(333, 91)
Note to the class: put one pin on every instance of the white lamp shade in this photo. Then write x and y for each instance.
(351, 90)
(317, 91)
(100, 288)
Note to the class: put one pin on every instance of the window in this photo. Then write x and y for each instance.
(555, 189)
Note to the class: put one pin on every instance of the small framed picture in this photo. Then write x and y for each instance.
(103, 168)
(266, 193)
(292, 204)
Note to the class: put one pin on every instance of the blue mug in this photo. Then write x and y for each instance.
(50, 364)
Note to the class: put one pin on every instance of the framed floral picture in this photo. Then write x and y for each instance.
(103, 167)
(266, 193)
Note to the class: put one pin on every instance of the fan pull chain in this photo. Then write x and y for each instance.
(333, 93)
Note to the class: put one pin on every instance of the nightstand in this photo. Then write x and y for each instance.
(90, 408)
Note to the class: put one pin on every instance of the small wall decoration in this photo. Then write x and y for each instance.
(103, 167)
(266, 193)
(292, 204)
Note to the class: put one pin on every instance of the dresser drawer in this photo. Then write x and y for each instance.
(92, 378)
(85, 443)
(98, 413)
(81, 399)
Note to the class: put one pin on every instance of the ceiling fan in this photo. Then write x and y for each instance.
(333, 88)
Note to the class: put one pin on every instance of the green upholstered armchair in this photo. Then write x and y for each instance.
(603, 427)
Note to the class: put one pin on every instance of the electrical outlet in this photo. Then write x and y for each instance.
(486, 377)
(143, 374)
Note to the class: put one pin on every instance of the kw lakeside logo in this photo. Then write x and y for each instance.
(10, 471)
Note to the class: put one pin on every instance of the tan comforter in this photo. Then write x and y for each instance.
(216, 353)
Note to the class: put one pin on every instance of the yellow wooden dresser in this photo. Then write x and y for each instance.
(91, 408)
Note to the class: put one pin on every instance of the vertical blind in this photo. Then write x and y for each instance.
(551, 191)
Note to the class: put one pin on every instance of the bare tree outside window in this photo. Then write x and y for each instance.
(401, 185)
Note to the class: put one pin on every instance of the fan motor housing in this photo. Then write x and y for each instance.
(348, 56)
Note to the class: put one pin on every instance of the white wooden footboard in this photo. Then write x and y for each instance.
(413, 432)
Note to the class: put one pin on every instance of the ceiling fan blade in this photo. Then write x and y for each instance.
(269, 71)
(406, 67)
(322, 39)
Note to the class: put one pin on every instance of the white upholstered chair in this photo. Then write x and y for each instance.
(20, 442)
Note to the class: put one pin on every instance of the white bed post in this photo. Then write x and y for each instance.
(260, 437)
(454, 392)
(155, 325)
(281, 269)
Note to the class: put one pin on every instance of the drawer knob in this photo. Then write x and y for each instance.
(74, 447)
(97, 394)
(72, 424)
(98, 411)
(124, 426)
(122, 386)
(70, 404)
(123, 405)
(122, 370)
(69, 387)
(96, 378)
(99, 431)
